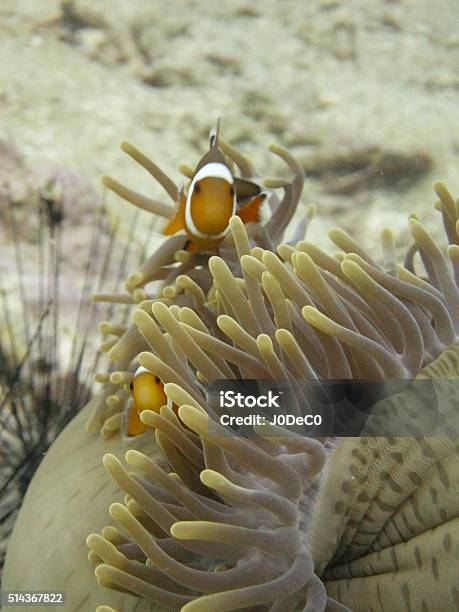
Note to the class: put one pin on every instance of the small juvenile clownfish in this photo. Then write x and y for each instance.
(148, 394)
(211, 199)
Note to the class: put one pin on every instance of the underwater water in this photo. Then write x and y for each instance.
(360, 100)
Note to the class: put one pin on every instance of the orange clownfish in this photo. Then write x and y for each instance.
(211, 199)
(148, 393)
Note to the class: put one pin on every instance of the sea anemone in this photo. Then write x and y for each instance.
(277, 520)
(180, 278)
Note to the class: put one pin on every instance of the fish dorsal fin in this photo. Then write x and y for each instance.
(214, 154)
(214, 135)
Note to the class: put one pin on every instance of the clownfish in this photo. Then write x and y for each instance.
(148, 394)
(212, 198)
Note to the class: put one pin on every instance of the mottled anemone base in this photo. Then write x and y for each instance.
(225, 523)
(385, 526)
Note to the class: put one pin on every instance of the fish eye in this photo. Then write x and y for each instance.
(157, 381)
(197, 188)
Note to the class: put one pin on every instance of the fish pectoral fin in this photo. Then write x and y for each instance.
(135, 426)
(177, 222)
(251, 211)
